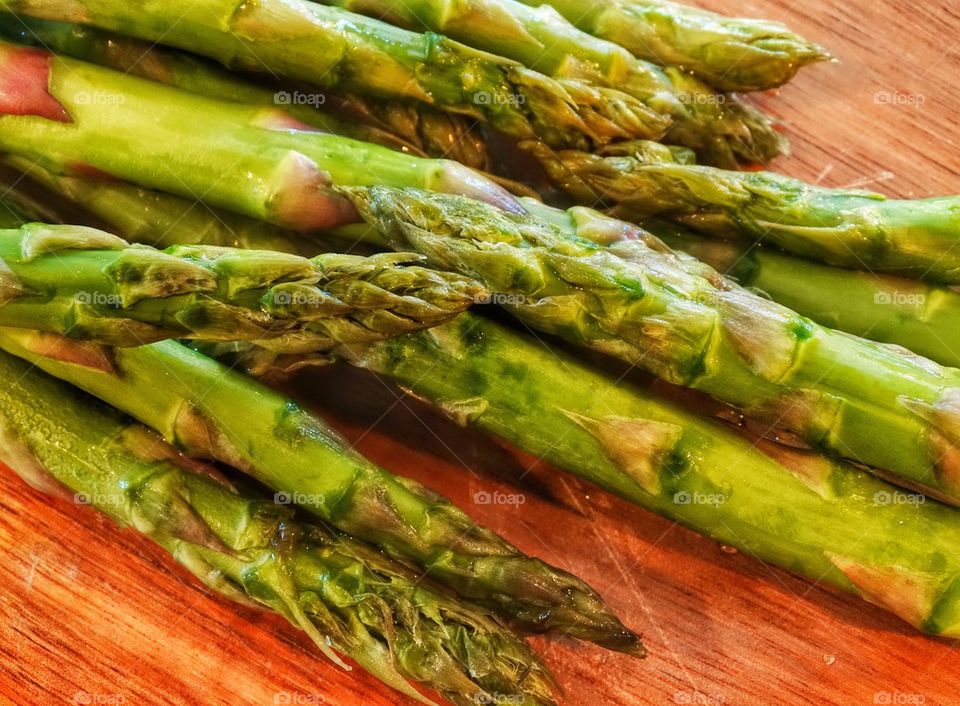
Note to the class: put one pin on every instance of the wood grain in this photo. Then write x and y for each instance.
(91, 614)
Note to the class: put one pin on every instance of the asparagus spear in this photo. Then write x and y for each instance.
(339, 50)
(857, 229)
(87, 283)
(819, 518)
(721, 128)
(922, 317)
(731, 53)
(822, 519)
(684, 323)
(258, 161)
(139, 215)
(425, 131)
(342, 593)
(193, 403)
(149, 217)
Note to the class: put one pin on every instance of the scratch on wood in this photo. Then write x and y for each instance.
(31, 571)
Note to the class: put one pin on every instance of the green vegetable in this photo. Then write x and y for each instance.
(922, 317)
(140, 215)
(747, 361)
(338, 50)
(683, 322)
(194, 402)
(857, 229)
(731, 53)
(89, 284)
(345, 595)
(721, 128)
(821, 519)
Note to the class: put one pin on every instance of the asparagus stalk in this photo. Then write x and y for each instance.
(849, 228)
(721, 128)
(257, 161)
(339, 50)
(193, 403)
(342, 593)
(821, 519)
(731, 53)
(685, 323)
(89, 284)
(922, 317)
(141, 215)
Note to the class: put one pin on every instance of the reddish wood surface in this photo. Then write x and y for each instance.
(91, 614)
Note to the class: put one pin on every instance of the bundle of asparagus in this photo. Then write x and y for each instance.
(345, 595)
(822, 519)
(721, 128)
(297, 455)
(124, 126)
(686, 324)
(411, 128)
(333, 49)
(385, 152)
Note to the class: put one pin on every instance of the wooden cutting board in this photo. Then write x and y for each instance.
(91, 614)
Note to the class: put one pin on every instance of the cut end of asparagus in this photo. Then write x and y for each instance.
(24, 84)
(911, 595)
